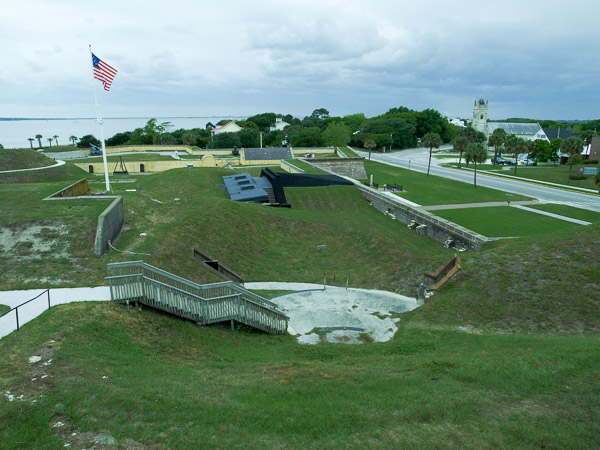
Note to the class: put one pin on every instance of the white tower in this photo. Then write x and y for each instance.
(480, 114)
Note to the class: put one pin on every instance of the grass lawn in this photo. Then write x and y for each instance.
(308, 169)
(258, 242)
(504, 221)
(548, 173)
(63, 148)
(569, 211)
(23, 159)
(4, 308)
(349, 153)
(434, 190)
(505, 356)
(147, 378)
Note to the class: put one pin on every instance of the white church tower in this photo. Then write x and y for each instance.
(480, 115)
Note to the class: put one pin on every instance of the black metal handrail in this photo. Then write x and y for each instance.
(16, 308)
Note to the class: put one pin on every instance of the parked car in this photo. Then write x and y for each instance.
(498, 160)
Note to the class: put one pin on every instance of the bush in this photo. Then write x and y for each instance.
(591, 161)
(578, 177)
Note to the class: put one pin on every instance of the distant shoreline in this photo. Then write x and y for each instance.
(12, 119)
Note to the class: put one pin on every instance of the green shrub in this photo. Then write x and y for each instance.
(591, 161)
(578, 177)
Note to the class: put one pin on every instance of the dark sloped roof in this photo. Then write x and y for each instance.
(554, 133)
(245, 188)
(254, 154)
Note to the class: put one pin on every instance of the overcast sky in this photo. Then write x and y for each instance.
(529, 58)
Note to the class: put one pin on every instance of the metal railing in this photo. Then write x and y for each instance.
(16, 308)
(140, 282)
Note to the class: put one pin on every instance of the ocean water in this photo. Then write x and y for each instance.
(14, 133)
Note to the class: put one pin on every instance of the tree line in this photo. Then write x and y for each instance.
(398, 128)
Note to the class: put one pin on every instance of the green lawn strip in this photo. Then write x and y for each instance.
(544, 283)
(126, 158)
(349, 153)
(569, 211)
(148, 378)
(547, 173)
(434, 190)
(4, 308)
(23, 159)
(63, 148)
(307, 168)
(504, 221)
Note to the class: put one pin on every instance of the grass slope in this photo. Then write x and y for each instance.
(23, 159)
(148, 379)
(180, 209)
(434, 190)
(548, 283)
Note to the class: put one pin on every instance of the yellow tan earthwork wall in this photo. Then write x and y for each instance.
(156, 166)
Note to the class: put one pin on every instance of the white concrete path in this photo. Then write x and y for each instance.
(58, 164)
(549, 214)
(58, 296)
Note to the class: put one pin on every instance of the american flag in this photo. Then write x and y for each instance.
(103, 72)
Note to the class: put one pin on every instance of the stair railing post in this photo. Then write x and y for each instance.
(48, 298)
(17, 312)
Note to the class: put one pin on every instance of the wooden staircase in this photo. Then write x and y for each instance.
(272, 198)
(434, 281)
(138, 282)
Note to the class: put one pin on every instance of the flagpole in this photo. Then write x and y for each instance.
(101, 122)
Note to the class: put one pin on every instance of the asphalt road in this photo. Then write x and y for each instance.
(416, 159)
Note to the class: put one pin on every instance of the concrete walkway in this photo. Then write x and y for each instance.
(556, 216)
(58, 296)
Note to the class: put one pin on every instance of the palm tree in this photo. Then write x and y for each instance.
(530, 148)
(496, 140)
(39, 138)
(31, 142)
(370, 145)
(55, 138)
(431, 140)
(572, 146)
(73, 139)
(49, 141)
(477, 153)
(460, 145)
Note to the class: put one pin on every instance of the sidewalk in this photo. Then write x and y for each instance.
(58, 296)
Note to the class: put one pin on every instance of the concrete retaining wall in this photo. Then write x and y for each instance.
(110, 223)
(424, 223)
(348, 167)
(74, 190)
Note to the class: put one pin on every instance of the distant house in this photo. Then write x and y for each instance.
(279, 125)
(457, 122)
(229, 127)
(594, 149)
(554, 133)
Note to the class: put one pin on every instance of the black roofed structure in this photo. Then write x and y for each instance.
(265, 155)
(269, 187)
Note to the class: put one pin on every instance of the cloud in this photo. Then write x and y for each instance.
(348, 56)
